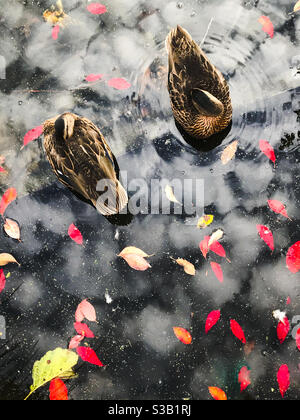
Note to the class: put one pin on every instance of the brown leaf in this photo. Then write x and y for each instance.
(135, 251)
(189, 268)
(229, 152)
(6, 259)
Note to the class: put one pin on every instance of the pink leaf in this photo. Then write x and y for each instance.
(211, 320)
(55, 32)
(268, 150)
(94, 77)
(2, 280)
(266, 235)
(120, 84)
(85, 310)
(244, 378)
(278, 207)
(96, 8)
(75, 341)
(293, 258)
(237, 331)
(268, 26)
(283, 378)
(137, 262)
(75, 234)
(217, 269)
(88, 355)
(33, 135)
(283, 329)
(83, 329)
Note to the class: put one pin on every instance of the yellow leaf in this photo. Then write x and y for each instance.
(56, 15)
(189, 268)
(205, 221)
(55, 364)
(6, 259)
(229, 152)
(297, 6)
(170, 195)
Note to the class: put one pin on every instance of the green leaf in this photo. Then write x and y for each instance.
(55, 364)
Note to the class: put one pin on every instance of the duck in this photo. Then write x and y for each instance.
(199, 94)
(81, 159)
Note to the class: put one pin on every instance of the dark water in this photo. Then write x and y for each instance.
(135, 339)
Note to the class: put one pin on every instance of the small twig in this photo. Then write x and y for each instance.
(206, 33)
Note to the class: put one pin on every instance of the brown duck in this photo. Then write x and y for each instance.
(199, 93)
(80, 158)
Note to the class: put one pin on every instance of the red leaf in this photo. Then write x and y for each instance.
(283, 329)
(85, 310)
(237, 331)
(268, 26)
(268, 150)
(120, 84)
(293, 258)
(2, 169)
(278, 207)
(266, 235)
(204, 246)
(75, 341)
(183, 335)
(298, 338)
(88, 355)
(9, 196)
(94, 77)
(75, 234)
(55, 32)
(2, 280)
(288, 300)
(217, 393)
(96, 8)
(58, 390)
(211, 320)
(33, 135)
(244, 378)
(217, 269)
(83, 329)
(283, 378)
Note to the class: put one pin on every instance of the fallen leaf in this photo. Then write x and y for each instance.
(58, 390)
(217, 269)
(229, 153)
(183, 335)
(283, 378)
(268, 150)
(267, 25)
(218, 249)
(237, 331)
(170, 194)
(75, 341)
(9, 196)
(216, 236)
(83, 330)
(280, 316)
(6, 259)
(96, 8)
(94, 77)
(56, 15)
(244, 378)
(119, 84)
(297, 6)
(204, 246)
(2, 280)
(55, 32)
(12, 229)
(217, 393)
(2, 170)
(189, 268)
(85, 310)
(205, 221)
(133, 250)
(266, 235)
(283, 329)
(136, 262)
(88, 355)
(33, 135)
(293, 258)
(211, 320)
(75, 234)
(298, 339)
(278, 207)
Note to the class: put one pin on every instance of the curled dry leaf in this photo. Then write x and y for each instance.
(6, 259)
(229, 152)
(12, 229)
(189, 268)
(170, 195)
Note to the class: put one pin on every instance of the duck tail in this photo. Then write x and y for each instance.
(179, 43)
(114, 198)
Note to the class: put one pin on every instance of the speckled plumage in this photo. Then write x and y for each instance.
(80, 158)
(192, 76)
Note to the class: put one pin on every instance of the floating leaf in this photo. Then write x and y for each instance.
(75, 234)
(211, 320)
(55, 15)
(216, 236)
(55, 364)
(298, 339)
(58, 390)
(278, 207)
(293, 258)
(283, 329)
(2, 280)
(93, 77)
(133, 250)
(229, 152)
(237, 331)
(12, 229)
(33, 135)
(183, 335)
(9, 196)
(205, 221)
(85, 310)
(244, 378)
(96, 8)
(7, 259)
(217, 269)
(280, 316)
(189, 268)
(283, 378)
(75, 341)
(266, 235)
(217, 393)
(267, 25)
(83, 330)
(55, 32)
(268, 150)
(88, 355)
(218, 249)
(136, 262)
(204, 246)
(297, 6)
(119, 84)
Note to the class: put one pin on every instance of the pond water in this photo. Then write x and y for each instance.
(137, 311)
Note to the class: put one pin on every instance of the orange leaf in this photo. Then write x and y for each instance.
(189, 268)
(9, 196)
(217, 393)
(58, 390)
(183, 335)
